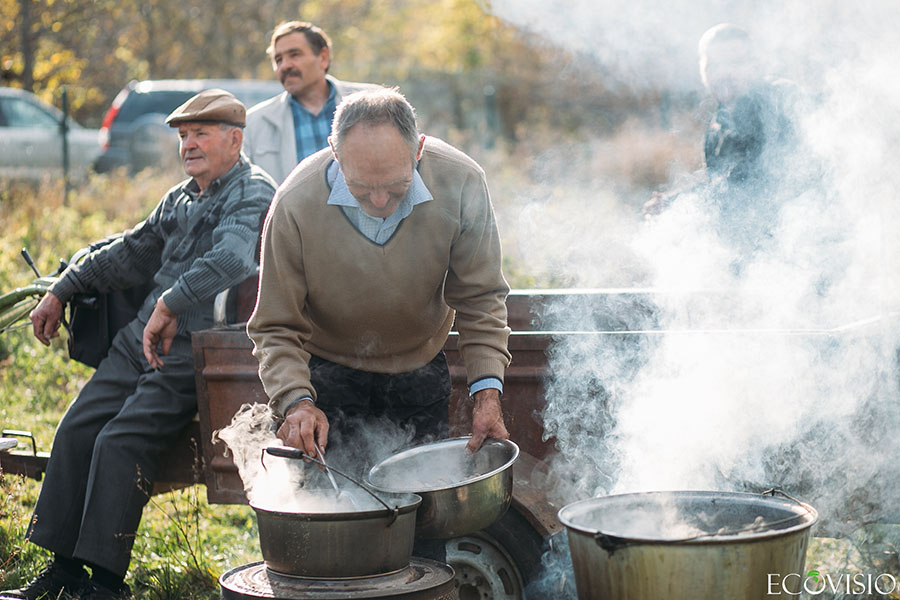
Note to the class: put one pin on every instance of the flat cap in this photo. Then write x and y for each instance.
(210, 105)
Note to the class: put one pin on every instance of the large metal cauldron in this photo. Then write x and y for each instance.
(685, 545)
(330, 538)
(461, 493)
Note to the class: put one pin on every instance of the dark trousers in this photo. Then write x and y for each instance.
(106, 451)
(355, 400)
(360, 406)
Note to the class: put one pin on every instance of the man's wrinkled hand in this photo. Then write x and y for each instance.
(159, 333)
(46, 317)
(487, 419)
(304, 427)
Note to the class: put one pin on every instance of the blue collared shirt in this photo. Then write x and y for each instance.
(375, 229)
(311, 131)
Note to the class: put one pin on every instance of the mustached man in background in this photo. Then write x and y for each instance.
(283, 130)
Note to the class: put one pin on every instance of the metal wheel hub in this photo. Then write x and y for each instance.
(484, 570)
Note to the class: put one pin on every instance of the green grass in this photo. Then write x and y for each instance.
(183, 544)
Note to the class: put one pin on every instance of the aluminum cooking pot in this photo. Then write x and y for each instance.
(336, 534)
(321, 536)
(685, 545)
(461, 493)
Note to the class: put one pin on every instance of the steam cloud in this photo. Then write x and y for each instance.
(782, 372)
(289, 485)
(266, 479)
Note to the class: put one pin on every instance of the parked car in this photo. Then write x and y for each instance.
(134, 133)
(31, 142)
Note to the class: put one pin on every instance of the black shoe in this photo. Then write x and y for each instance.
(91, 590)
(48, 585)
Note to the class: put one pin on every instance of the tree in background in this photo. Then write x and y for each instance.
(36, 49)
(96, 46)
(464, 70)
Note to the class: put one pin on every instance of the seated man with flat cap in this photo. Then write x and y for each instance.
(199, 240)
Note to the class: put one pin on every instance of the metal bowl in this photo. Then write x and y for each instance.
(337, 539)
(461, 493)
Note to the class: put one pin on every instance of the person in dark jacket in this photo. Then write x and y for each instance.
(753, 126)
(199, 240)
(751, 142)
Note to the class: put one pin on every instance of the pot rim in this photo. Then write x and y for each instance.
(456, 441)
(807, 517)
(409, 502)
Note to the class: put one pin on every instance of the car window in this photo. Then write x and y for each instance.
(252, 97)
(162, 102)
(21, 113)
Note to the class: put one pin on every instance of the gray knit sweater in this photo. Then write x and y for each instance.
(192, 246)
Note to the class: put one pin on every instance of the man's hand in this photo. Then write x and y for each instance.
(656, 205)
(487, 419)
(45, 318)
(305, 426)
(159, 333)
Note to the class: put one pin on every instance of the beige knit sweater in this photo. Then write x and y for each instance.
(325, 289)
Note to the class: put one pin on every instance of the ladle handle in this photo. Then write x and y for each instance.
(285, 452)
(780, 492)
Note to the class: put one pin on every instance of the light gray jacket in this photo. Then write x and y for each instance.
(269, 136)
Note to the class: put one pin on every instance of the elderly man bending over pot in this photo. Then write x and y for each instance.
(371, 247)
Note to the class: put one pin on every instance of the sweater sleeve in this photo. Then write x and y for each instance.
(130, 259)
(475, 286)
(278, 326)
(232, 257)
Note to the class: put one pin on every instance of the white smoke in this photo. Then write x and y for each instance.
(267, 479)
(769, 363)
(295, 485)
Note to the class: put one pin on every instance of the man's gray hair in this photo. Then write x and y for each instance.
(723, 32)
(375, 107)
(718, 34)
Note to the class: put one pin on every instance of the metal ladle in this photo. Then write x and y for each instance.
(295, 453)
(341, 494)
